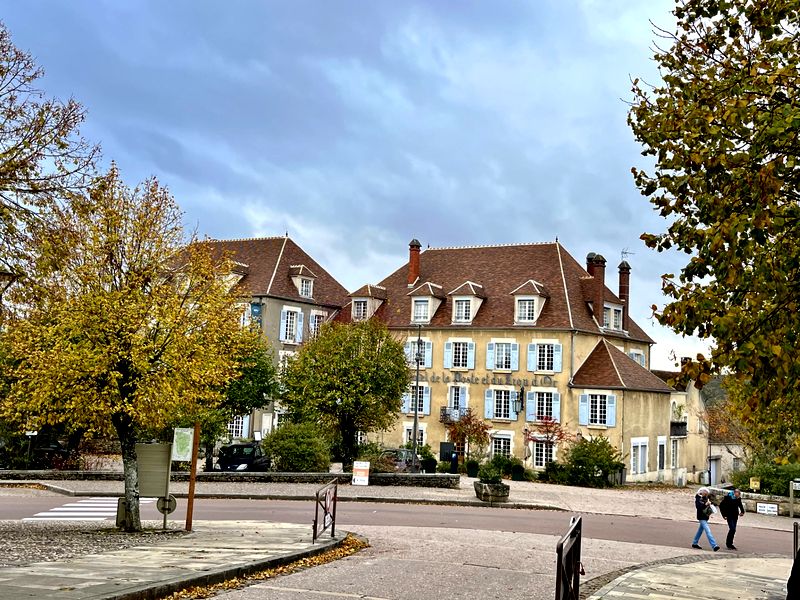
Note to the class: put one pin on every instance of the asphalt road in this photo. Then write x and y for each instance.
(350, 515)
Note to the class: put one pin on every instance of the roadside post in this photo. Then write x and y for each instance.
(794, 486)
(568, 562)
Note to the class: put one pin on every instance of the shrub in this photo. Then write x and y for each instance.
(443, 466)
(429, 464)
(424, 451)
(372, 452)
(774, 479)
(298, 448)
(471, 466)
(488, 473)
(517, 472)
(590, 461)
(555, 473)
(530, 475)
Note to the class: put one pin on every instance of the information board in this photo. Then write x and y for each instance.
(361, 472)
(766, 509)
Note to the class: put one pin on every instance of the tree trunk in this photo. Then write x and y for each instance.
(348, 431)
(127, 439)
(209, 456)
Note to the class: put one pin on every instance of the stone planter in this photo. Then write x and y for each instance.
(492, 492)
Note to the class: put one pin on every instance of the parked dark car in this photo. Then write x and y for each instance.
(402, 458)
(242, 457)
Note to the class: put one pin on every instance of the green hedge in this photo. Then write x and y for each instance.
(774, 478)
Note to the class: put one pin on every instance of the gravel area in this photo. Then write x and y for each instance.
(23, 543)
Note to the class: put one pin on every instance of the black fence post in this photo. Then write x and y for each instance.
(568, 564)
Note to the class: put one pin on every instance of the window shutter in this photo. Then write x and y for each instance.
(512, 398)
(583, 410)
(246, 426)
(471, 355)
(299, 337)
(448, 355)
(406, 403)
(611, 410)
(557, 407)
(426, 401)
(428, 354)
(557, 358)
(450, 392)
(530, 406)
(531, 357)
(515, 357)
(282, 332)
(490, 356)
(407, 349)
(488, 402)
(464, 397)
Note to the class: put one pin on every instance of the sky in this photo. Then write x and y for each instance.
(357, 126)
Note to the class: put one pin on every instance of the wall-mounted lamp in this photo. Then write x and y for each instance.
(519, 402)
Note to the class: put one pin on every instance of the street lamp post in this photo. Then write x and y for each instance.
(417, 359)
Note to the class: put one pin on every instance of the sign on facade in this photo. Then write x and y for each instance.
(361, 472)
(182, 442)
(766, 509)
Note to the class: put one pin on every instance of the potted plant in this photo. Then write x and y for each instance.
(472, 467)
(490, 486)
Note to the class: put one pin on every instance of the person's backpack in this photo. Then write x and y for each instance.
(725, 505)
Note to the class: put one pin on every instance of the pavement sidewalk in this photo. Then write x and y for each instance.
(216, 550)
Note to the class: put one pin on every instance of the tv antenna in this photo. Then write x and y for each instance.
(625, 253)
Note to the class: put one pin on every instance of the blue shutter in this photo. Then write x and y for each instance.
(611, 410)
(471, 355)
(428, 354)
(246, 426)
(450, 392)
(448, 355)
(282, 332)
(515, 357)
(299, 337)
(512, 398)
(583, 410)
(531, 357)
(488, 405)
(464, 397)
(530, 406)
(490, 356)
(557, 358)
(406, 403)
(407, 350)
(557, 406)
(426, 400)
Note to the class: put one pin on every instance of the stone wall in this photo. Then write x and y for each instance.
(751, 500)
(430, 480)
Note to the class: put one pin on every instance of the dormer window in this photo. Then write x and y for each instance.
(612, 317)
(421, 310)
(359, 310)
(526, 310)
(462, 310)
(306, 287)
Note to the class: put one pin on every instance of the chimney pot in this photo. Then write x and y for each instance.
(590, 263)
(413, 261)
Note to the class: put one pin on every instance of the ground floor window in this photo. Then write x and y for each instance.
(236, 427)
(674, 462)
(543, 453)
(501, 446)
(410, 436)
(638, 455)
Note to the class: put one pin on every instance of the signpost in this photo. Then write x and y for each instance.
(763, 508)
(794, 486)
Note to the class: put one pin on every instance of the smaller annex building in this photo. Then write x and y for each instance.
(288, 295)
(522, 334)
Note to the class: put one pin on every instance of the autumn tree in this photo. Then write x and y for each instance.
(470, 431)
(349, 378)
(551, 432)
(42, 156)
(125, 325)
(722, 130)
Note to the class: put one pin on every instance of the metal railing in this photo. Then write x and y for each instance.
(326, 500)
(568, 564)
(451, 415)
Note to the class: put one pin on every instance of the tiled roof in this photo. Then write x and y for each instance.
(428, 289)
(501, 270)
(271, 262)
(370, 291)
(609, 368)
(469, 288)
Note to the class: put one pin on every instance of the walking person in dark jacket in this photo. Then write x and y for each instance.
(731, 509)
(702, 504)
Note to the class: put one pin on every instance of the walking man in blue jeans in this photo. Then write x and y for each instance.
(704, 509)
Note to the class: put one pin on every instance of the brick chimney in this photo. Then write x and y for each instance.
(589, 263)
(625, 292)
(413, 261)
(599, 274)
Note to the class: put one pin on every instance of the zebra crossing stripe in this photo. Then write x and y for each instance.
(90, 509)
